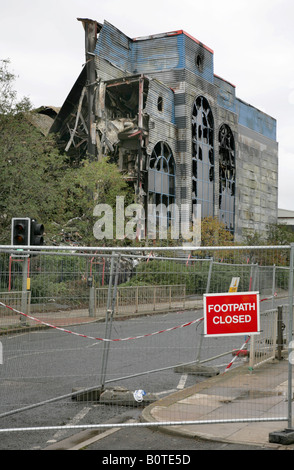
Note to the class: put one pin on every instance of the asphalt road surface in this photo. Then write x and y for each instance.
(47, 365)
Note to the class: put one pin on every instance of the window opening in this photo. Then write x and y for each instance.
(199, 62)
(202, 156)
(227, 176)
(161, 180)
(160, 104)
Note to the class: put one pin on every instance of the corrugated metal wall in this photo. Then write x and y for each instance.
(156, 54)
(114, 46)
(180, 69)
(256, 120)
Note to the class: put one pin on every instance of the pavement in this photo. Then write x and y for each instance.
(240, 394)
(61, 316)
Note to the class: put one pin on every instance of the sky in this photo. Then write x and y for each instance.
(252, 40)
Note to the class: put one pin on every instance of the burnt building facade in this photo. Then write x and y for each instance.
(176, 130)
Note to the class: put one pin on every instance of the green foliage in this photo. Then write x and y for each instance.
(194, 276)
(166, 272)
(280, 234)
(95, 182)
(31, 172)
(214, 233)
(9, 104)
(36, 180)
(60, 278)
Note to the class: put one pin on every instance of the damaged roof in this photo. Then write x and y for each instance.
(43, 118)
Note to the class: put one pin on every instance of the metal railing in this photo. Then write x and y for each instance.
(263, 347)
(135, 299)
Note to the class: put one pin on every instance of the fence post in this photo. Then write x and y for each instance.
(111, 298)
(273, 286)
(290, 336)
(202, 323)
(91, 296)
(24, 293)
(252, 287)
(253, 277)
(209, 276)
(280, 332)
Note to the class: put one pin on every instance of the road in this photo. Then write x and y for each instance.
(43, 365)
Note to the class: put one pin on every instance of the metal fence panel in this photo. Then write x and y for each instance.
(102, 325)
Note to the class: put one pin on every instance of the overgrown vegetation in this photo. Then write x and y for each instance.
(38, 181)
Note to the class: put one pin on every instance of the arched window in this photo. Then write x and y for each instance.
(202, 156)
(161, 177)
(227, 177)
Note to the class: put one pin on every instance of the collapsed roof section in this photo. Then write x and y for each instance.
(108, 111)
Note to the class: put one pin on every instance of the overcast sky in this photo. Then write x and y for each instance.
(252, 40)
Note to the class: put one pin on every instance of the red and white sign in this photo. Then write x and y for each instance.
(231, 314)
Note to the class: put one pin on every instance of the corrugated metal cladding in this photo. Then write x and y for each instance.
(256, 120)
(107, 71)
(179, 69)
(199, 60)
(226, 97)
(160, 101)
(114, 46)
(155, 53)
(162, 131)
(161, 118)
(177, 59)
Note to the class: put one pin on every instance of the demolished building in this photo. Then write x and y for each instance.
(175, 129)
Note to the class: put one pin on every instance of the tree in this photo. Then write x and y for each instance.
(280, 234)
(30, 174)
(98, 182)
(9, 103)
(30, 165)
(36, 180)
(214, 233)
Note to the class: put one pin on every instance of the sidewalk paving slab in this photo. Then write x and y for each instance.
(239, 394)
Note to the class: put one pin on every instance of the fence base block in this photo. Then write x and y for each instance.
(197, 369)
(124, 397)
(86, 395)
(112, 396)
(284, 437)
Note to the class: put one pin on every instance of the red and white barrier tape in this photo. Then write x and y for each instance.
(269, 298)
(100, 339)
(237, 354)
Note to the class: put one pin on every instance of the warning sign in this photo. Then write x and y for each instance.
(231, 314)
(234, 284)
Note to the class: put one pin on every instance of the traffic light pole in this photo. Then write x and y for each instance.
(25, 231)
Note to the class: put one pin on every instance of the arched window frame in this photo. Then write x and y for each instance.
(227, 177)
(162, 177)
(203, 156)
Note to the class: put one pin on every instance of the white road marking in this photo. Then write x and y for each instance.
(102, 435)
(182, 382)
(75, 420)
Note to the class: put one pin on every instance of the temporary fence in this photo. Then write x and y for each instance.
(124, 326)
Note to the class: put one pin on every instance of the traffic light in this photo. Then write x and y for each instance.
(20, 231)
(36, 231)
